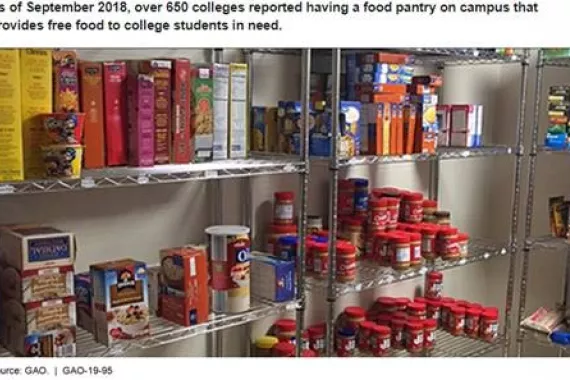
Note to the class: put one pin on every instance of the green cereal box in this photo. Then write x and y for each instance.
(202, 112)
(264, 129)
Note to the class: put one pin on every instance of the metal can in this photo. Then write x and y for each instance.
(229, 252)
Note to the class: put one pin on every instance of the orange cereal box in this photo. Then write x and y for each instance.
(92, 104)
(66, 82)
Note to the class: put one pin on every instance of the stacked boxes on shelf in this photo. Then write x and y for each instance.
(37, 296)
(558, 117)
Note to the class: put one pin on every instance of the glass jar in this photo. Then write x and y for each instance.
(317, 338)
(285, 330)
(398, 325)
(364, 332)
(446, 244)
(264, 346)
(380, 340)
(429, 208)
(284, 350)
(353, 231)
(400, 252)
(345, 197)
(433, 310)
(345, 261)
(412, 208)
(377, 214)
(381, 249)
(353, 317)
(283, 209)
(489, 324)
(345, 342)
(393, 208)
(433, 288)
(360, 197)
(414, 333)
(446, 312)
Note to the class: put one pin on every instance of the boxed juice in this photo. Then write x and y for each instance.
(66, 81)
(120, 300)
(141, 120)
(11, 144)
(161, 71)
(184, 297)
(182, 139)
(202, 113)
(238, 133)
(272, 278)
(83, 294)
(37, 98)
(37, 284)
(221, 75)
(116, 123)
(92, 104)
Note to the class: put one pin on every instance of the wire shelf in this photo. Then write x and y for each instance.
(542, 340)
(164, 332)
(370, 275)
(547, 150)
(550, 243)
(126, 176)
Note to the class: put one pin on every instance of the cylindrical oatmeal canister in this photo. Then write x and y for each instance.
(283, 207)
(229, 253)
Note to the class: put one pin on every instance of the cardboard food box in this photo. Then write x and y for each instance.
(161, 71)
(11, 143)
(383, 130)
(272, 278)
(92, 104)
(154, 288)
(387, 68)
(57, 343)
(202, 113)
(120, 300)
(182, 138)
(288, 120)
(239, 126)
(31, 247)
(116, 123)
(426, 123)
(444, 121)
(66, 81)
(36, 285)
(409, 121)
(463, 125)
(184, 298)
(21, 319)
(141, 120)
(83, 294)
(221, 73)
(37, 99)
(264, 129)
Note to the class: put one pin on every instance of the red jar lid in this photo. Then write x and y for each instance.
(447, 231)
(448, 300)
(402, 315)
(420, 300)
(458, 310)
(414, 325)
(353, 221)
(463, 236)
(433, 302)
(413, 196)
(309, 244)
(430, 324)
(322, 233)
(474, 306)
(317, 330)
(398, 323)
(377, 202)
(284, 349)
(392, 201)
(402, 226)
(367, 325)
(416, 306)
(402, 301)
(435, 275)
(415, 228)
(383, 235)
(285, 324)
(284, 195)
(386, 302)
(473, 311)
(430, 229)
(283, 228)
(415, 237)
(320, 247)
(399, 239)
(384, 319)
(389, 191)
(382, 330)
(462, 303)
(308, 354)
(345, 184)
(429, 203)
(354, 312)
(490, 313)
(345, 248)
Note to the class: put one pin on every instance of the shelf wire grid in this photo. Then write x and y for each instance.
(542, 340)
(371, 275)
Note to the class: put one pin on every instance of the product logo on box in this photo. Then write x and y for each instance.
(83, 295)
(47, 249)
(126, 280)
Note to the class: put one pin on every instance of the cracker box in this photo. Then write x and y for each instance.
(239, 125)
(463, 125)
(184, 298)
(380, 78)
(92, 104)
(264, 129)
(116, 123)
(120, 300)
(272, 278)
(37, 99)
(182, 140)
(83, 294)
(36, 285)
(221, 74)
(11, 144)
(202, 113)
(161, 71)
(141, 120)
(66, 81)
(31, 247)
(444, 121)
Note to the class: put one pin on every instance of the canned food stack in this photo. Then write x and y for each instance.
(280, 340)
(282, 232)
(37, 296)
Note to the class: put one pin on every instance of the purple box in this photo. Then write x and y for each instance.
(141, 120)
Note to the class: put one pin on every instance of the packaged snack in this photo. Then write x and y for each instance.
(202, 113)
(557, 221)
(65, 77)
(92, 104)
(84, 294)
(62, 161)
(141, 119)
(182, 139)
(238, 133)
(37, 98)
(116, 124)
(37, 284)
(62, 128)
(11, 144)
(272, 278)
(221, 73)
(120, 300)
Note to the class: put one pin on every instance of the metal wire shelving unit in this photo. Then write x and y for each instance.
(542, 243)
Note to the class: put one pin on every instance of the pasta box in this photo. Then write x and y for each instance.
(32, 247)
(36, 284)
(120, 300)
(272, 278)
(83, 296)
(184, 297)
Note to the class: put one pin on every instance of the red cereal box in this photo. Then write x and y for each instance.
(91, 75)
(141, 120)
(182, 147)
(115, 79)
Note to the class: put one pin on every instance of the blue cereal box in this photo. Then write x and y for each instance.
(83, 295)
(350, 129)
(387, 68)
(381, 78)
(120, 300)
(289, 124)
(272, 278)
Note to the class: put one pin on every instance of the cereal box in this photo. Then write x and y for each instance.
(32, 247)
(161, 71)
(444, 122)
(272, 278)
(426, 123)
(386, 68)
(221, 74)
(239, 131)
(92, 104)
(116, 123)
(37, 92)
(38, 284)
(83, 294)
(463, 125)
(11, 144)
(66, 82)
(202, 113)
(264, 129)
(349, 133)
(182, 140)
(409, 121)
(141, 120)
(120, 300)
(184, 298)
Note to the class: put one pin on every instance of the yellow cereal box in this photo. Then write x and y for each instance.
(36, 88)
(11, 160)
(239, 139)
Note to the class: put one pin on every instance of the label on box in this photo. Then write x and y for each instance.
(221, 111)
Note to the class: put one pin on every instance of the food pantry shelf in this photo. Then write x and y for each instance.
(370, 275)
(127, 176)
(547, 150)
(165, 332)
(550, 243)
(541, 339)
